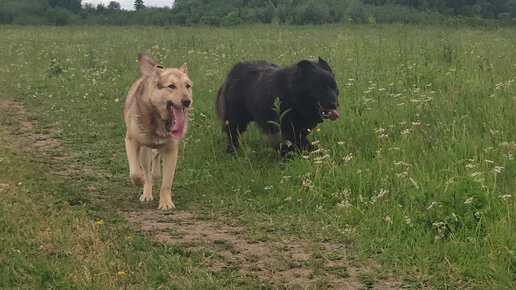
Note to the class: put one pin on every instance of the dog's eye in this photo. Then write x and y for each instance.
(188, 86)
(172, 86)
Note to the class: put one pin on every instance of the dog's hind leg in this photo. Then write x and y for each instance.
(145, 162)
(156, 167)
(133, 151)
(235, 125)
(232, 134)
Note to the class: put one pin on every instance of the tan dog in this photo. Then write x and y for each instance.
(156, 116)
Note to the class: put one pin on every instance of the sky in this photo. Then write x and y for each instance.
(129, 4)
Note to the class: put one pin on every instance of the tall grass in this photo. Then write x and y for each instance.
(417, 174)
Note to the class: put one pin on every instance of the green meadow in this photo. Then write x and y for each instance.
(414, 186)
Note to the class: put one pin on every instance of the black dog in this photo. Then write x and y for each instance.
(307, 92)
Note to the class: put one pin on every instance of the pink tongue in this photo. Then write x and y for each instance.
(334, 115)
(179, 123)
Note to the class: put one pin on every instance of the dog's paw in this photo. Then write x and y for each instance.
(164, 205)
(146, 197)
(138, 179)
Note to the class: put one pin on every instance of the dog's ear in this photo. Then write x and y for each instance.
(305, 64)
(147, 65)
(184, 68)
(323, 64)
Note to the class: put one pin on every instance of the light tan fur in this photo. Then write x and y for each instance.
(146, 114)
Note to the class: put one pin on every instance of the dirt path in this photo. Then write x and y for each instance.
(288, 263)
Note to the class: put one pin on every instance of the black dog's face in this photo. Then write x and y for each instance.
(327, 97)
(320, 85)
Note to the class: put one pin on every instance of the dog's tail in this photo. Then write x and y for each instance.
(220, 104)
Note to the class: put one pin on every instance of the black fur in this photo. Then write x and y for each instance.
(305, 89)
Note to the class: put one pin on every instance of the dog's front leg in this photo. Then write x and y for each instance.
(156, 167)
(145, 162)
(133, 151)
(274, 141)
(169, 168)
(289, 138)
(305, 143)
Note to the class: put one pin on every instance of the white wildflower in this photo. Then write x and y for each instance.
(469, 200)
(398, 163)
(388, 219)
(382, 193)
(414, 182)
(404, 174)
(438, 224)
(505, 196)
(343, 204)
(432, 205)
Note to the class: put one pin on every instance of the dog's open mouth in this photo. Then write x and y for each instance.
(177, 118)
(331, 114)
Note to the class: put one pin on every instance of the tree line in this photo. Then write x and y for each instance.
(234, 12)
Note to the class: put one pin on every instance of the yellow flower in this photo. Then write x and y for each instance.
(136, 60)
(318, 129)
(121, 273)
(100, 222)
(247, 191)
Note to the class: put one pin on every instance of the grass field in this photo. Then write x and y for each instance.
(414, 186)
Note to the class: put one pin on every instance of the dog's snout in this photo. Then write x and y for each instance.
(186, 103)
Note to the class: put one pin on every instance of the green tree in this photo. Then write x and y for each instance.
(70, 5)
(138, 4)
(113, 5)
